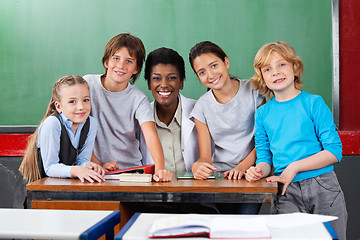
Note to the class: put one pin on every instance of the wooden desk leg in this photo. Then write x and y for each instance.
(127, 211)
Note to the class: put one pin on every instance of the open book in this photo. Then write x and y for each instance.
(215, 227)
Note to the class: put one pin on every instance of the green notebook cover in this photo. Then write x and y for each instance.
(189, 175)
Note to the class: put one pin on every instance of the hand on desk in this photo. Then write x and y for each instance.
(261, 170)
(254, 174)
(96, 167)
(162, 175)
(202, 170)
(84, 173)
(234, 173)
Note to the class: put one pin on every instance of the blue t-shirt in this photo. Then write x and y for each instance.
(289, 131)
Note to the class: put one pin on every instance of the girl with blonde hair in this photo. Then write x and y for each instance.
(62, 144)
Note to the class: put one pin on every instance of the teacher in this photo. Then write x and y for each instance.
(165, 74)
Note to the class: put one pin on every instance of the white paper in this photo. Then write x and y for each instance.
(290, 220)
(237, 227)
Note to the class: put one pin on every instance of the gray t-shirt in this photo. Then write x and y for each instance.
(231, 125)
(120, 115)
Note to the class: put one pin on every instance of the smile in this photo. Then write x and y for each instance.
(215, 81)
(119, 73)
(279, 80)
(164, 93)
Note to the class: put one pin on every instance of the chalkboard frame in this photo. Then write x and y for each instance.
(336, 63)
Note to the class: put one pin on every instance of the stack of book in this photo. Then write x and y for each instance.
(136, 174)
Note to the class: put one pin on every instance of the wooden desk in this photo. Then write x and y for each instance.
(57, 224)
(219, 190)
(58, 193)
(139, 225)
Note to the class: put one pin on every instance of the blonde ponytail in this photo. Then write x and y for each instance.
(29, 167)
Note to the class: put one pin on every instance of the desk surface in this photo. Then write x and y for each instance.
(217, 185)
(218, 190)
(138, 228)
(45, 224)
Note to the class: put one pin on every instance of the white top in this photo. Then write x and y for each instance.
(140, 229)
(47, 224)
(120, 115)
(231, 125)
(189, 136)
(170, 138)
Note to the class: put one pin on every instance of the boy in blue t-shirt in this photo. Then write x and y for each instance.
(295, 133)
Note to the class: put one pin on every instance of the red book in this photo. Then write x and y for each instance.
(149, 169)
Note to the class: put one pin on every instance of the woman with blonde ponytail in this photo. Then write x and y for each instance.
(62, 144)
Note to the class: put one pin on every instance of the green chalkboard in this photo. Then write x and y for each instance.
(43, 40)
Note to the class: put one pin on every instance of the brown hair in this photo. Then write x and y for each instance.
(133, 44)
(205, 47)
(261, 58)
(29, 166)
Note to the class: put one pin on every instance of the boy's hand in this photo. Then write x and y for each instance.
(110, 166)
(254, 174)
(234, 173)
(96, 167)
(84, 173)
(202, 170)
(286, 176)
(162, 176)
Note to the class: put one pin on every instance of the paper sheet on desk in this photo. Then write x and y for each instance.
(296, 219)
